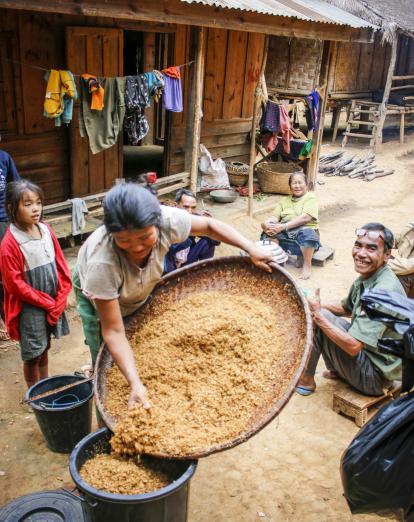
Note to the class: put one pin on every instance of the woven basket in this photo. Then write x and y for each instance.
(274, 176)
(238, 173)
(228, 273)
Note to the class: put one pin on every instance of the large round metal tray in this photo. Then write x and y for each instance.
(220, 274)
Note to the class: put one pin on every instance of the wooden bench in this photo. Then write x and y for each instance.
(59, 215)
(349, 402)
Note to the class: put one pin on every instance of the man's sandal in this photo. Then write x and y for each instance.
(304, 390)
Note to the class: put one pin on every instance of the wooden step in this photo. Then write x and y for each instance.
(359, 111)
(355, 135)
(363, 122)
(319, 257)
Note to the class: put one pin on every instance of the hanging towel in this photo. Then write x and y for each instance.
(270, 120)
(96, 90)
(60, 94)
(172, 72)
(285, 128)
(79, 209)
(306, 150)
(172, 99)
(137, 98)
(311, 111)
(102, 127)
(68, 98)
(155, 82)
(53, 98)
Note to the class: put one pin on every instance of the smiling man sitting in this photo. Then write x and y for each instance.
(349, 349)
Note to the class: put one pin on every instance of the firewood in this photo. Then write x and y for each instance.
(371, 177)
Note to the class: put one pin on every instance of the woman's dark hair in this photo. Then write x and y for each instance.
(129, 206)
(298, 173)
(14, 194)
(183, 192)
(386, 232)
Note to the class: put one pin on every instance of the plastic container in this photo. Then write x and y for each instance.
(168, 504)
(64, 417)
(45, 506)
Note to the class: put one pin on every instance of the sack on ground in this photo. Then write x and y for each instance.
(213, 172)
(376, 468)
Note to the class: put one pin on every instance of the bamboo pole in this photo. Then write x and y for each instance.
(386, 95)
(198, 111)
(256, 106)
(326, 77)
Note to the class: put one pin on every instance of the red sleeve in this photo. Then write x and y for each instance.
(64, 278)
(13, 277)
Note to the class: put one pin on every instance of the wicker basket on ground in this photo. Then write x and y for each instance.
(238, 173)
(274, 176)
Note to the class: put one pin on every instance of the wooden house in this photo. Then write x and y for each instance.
(377, 71)
(226, 47)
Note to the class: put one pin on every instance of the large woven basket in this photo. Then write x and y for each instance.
(274, 176)
(238, 173)
(228, 273)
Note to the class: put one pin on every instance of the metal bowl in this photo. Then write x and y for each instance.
(224, 196)
(229, 274)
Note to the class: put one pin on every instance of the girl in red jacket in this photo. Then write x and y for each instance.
(36, 279)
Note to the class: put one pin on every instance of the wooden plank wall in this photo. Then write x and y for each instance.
(233, 61)
(40, 150)
(360, 67)
(405, 58)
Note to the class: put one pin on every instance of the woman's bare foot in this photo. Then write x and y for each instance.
(4, 336)
(306, 273)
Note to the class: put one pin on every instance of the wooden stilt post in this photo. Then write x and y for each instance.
(256, 107)
(326, 75)
(387, 90)
(194, 125)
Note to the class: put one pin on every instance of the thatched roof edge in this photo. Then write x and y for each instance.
(371, 13)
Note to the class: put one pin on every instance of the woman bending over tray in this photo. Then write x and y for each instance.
(295, 222)
(121, 262)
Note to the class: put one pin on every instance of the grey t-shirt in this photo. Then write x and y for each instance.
(105, 272)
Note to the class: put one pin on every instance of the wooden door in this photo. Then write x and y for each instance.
(96, 51)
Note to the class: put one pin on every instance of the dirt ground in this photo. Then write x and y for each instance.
(289, 471)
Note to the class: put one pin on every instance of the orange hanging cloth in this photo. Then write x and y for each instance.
(172, 72)
(97, 91)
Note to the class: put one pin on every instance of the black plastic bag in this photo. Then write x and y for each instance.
(377, 467)
(397, 312)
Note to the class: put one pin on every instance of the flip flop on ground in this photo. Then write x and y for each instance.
(304, 390)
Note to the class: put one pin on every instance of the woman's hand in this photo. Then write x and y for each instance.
(138, 397)
(261, 257)
(272, 228)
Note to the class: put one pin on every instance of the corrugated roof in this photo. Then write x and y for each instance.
(310, 10)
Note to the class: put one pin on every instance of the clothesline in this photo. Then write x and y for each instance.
(76, 75)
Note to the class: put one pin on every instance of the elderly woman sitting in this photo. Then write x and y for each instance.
(295, 222)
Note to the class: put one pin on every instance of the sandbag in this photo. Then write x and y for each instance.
(213, 172)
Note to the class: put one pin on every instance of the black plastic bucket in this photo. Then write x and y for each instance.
(168, 504)
(66, 416)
